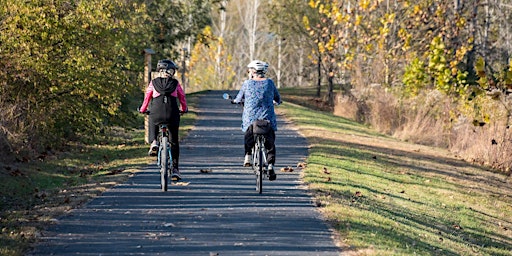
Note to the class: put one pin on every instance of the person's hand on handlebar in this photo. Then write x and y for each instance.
(143, 112)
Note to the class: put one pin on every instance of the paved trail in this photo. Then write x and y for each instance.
(217, 213)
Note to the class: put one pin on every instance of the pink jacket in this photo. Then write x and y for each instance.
(152, 93)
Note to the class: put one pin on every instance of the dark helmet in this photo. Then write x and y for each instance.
(166, 66)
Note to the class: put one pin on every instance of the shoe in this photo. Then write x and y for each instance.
(153, 149)
(247, 160)
(175, 175)
(271, 173)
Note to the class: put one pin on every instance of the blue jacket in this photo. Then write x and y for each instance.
(259, 97)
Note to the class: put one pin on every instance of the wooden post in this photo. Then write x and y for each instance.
(184, 55)
(147, 78)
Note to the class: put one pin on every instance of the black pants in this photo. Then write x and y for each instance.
(270, 139)
(173, 129)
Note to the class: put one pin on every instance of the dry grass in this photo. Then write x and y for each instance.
(489, 145)
(11, 133)
(431, 119)
(426, 120)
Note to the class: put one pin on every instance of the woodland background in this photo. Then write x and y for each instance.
(434, 72)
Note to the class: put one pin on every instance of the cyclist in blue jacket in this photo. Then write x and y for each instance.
(259, 94)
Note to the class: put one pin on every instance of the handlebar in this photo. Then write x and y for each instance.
(226, 96)
(147, 112)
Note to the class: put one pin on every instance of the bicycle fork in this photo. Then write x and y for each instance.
(159, 161)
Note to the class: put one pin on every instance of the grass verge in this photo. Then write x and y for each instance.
(33, 195)
(387, 197)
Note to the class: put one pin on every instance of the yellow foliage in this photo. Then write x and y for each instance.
(364, 4)
(331, 43)
(305, 20)
(314, 4)
(461, 22)
(358, 20)
(480, 65)
(321, 47)
(417, 10)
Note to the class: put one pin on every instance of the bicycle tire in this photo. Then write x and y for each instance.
(259, 172)
(164, 164)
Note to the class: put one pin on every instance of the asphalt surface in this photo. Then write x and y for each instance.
(214, 213)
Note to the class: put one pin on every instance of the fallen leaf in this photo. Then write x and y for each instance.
(114, 172)
(287, 169)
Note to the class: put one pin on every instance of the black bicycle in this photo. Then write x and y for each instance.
(259, 152)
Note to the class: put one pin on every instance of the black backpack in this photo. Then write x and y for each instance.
(164, 108)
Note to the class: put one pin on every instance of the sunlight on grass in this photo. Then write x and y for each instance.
(387, 197)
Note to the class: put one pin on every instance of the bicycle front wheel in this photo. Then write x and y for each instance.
(164, 163)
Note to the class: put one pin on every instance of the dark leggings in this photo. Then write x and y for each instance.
(270, 139)
(173, 129)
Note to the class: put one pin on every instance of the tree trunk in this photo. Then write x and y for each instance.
(330, 90)
(319, 81)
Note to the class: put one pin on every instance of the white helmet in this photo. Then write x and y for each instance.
(258, 65)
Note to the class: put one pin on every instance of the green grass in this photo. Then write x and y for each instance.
(386, 197)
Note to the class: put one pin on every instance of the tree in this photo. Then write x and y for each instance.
(65, 68)
(174, 25)
(287, 23)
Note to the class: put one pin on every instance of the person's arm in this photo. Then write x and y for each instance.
(240, 96)
(147, 98)
(181, 98)
(277, 96)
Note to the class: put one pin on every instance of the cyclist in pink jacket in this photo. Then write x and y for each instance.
(163, 93)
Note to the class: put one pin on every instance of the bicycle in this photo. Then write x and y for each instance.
(259, 152)
(164, 156)
(259, 155)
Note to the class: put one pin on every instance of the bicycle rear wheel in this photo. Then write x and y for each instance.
(164, 164)
(259, 171)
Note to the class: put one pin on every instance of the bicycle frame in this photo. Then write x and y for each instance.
(259, 163)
